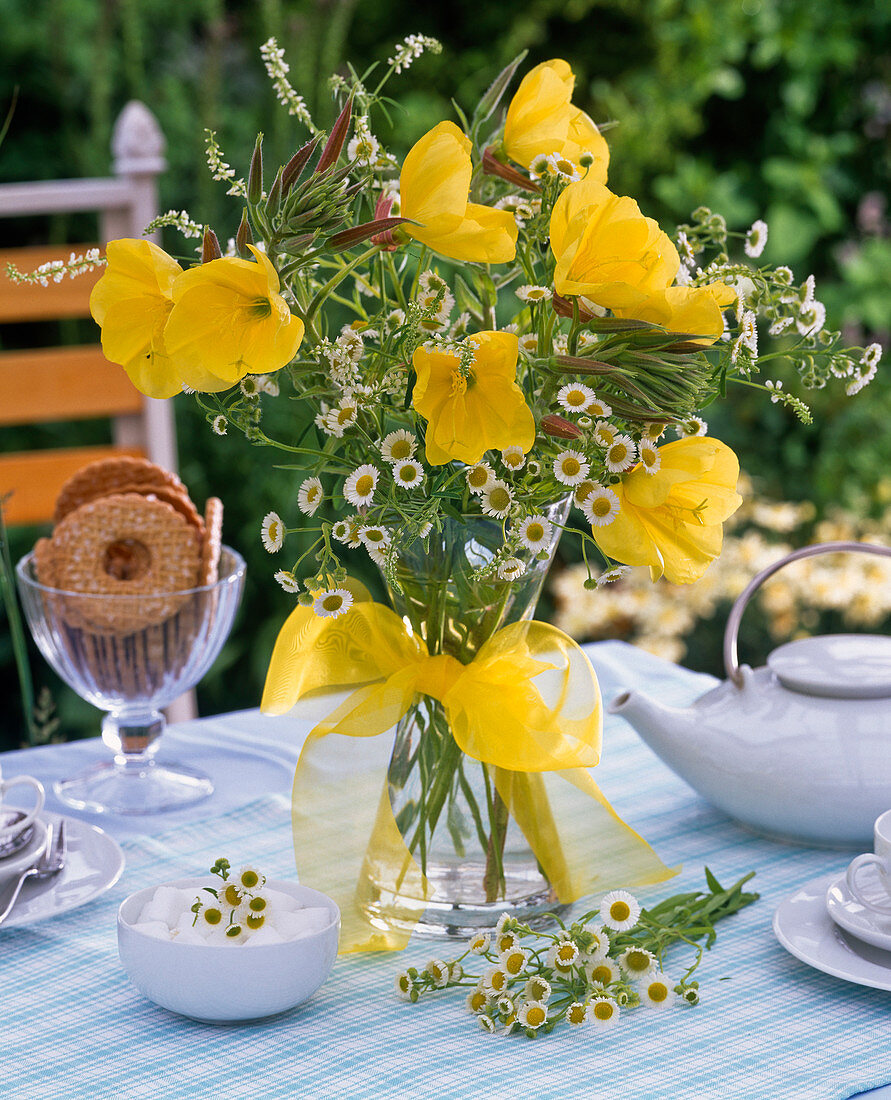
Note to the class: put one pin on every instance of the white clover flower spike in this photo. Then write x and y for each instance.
(359, 487)
(619, 910)
(332, 602)
(272, 532)
(310, 496)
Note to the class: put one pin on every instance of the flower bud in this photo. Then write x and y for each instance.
(210, 249)
(558, 427)
(243, 236)
(255, 177)
(274, 201)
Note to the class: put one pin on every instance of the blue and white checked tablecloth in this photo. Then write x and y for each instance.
(769, 1027)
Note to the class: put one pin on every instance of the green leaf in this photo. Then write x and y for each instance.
(496, 90)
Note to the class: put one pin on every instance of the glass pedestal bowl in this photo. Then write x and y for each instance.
(132, 655)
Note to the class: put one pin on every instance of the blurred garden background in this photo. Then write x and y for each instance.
(773, 109)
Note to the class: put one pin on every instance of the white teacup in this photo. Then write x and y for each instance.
(880, 859)
(19, 824)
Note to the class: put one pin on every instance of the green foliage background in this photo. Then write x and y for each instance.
(758, 108)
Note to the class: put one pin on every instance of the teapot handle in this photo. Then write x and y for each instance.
(731, 633)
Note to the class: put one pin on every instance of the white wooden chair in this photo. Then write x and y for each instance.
(47, 384)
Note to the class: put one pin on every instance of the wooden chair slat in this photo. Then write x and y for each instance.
(34, 479)
(70, 383)
(26, 302)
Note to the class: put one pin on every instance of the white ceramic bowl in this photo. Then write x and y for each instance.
(225, 983)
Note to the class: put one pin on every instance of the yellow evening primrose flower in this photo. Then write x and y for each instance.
(229, 320)
(606, 250)
(433, 189)
(697, 310)
(131, 304)
(671, 520)
(541, 119)
(470, 410)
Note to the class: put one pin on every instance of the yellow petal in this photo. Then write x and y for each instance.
(484, 236)
(435, 179)
(135, 270)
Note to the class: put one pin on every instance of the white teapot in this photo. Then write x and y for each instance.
(800, 749)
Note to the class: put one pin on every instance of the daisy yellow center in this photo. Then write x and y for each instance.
(459, 384)
(535, 1016)
(312, 493)
(499, 499)
(618, 452)
(584, 491)
(260, 307)
(535, 295)
(565, 955)
(232, 895)
(603, 1010)
(274, 530)
(565, 166)
(404, 983)
(499, 980)
(537, 989)
(213, 916)
(374, 535)
(658, 992)
(345, 416)
(576, 1014)
(513, 964)
(620, 910)
(571, 466)
(601, 974)
(477, 1001)
(408, 472)
(601, 508)
(365, 485)
(250, 879)
(401, 449)
(332, 602)
(535, 532)
(255, 921)
(637, 960)
(257, 905)
(575, 398)
(365, 149)
(477, 477)
(648, 455)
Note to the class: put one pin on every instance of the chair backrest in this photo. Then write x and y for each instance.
(47, 384)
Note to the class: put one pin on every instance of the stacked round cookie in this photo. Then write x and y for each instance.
(126, 528)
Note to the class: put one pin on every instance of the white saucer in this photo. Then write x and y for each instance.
(93, 864)
(803, 926)
(24, 857)
(865, 924)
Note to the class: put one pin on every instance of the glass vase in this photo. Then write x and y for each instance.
(446, 804)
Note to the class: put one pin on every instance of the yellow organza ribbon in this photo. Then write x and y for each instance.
(528, 705)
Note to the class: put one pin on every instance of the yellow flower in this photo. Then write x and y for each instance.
(229, 320)
(131, 304)
(671, 520)
(472, 410)
(696, 310)
(541, 119)
(607, 250)
(433, 189)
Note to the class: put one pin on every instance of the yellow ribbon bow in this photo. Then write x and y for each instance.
(528, 705)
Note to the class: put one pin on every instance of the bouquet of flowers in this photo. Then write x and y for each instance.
(486, 337)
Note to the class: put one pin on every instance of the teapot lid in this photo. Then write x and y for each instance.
(842, 666)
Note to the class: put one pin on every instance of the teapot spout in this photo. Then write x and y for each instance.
(673, 733)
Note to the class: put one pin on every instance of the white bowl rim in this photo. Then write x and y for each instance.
(234, 576)
(186, 883)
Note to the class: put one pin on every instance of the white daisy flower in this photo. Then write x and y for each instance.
(637, 962)
(287, 580)
(359, 487)
(267, 383)
(479, 944)
(780, 325)
(657, 991)
(398, 445)
(479, 477)
(619, 910)
(599, 408)
(496, 499)
(872, 355)
(408, 474)
(653, 429)
(478, 999)
(272, 532)
(617, 573)
(812, 318)
(621, 454)
(248, 386)
(375, 540)
(486, 1023)
(513, 458)
(563, 955)
(599, 944)
(363, 148)
(219, 424)
(347, 532)
(602, 972)
(571, 467)
(510, 569)
(539, 164)
(529, 344)
(562, 167)
(749, 332)
(513, 960)
(601, 506)
(603, 1012)
(404, 985)
(693, 425)
(494, 980)
(395, 319)
(531, 293)
(685, 249)
(576, 397)
(332, 602)
(604, 433)
(438, 972)
(310, 496)
(532, 1015)
(650, 455)
(537, 989)
(535, 533)
(756, 239)
(577, 1013)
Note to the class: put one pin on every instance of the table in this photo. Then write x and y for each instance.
(76, 1028)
